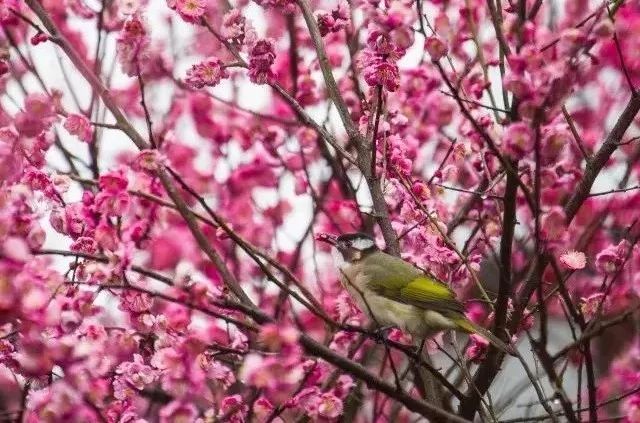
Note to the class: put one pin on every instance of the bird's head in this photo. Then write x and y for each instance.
(353, 246)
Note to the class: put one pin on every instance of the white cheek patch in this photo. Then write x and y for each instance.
(362, 243)
(338, 259)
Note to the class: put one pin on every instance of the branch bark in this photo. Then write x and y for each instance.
(599, 160)
(484, 376)
(124, 124)
(423, 408)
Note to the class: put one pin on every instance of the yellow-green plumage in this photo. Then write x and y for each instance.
(395, 293)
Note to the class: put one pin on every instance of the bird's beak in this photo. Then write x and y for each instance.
(328, 238)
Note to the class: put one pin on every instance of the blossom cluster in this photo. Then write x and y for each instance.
(161, 189)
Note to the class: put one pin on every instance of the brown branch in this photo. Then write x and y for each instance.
(490, 366)
(293, 53)
(600, 159)
(485, 136)
(467, 206)
(325, 67)
(418, 406)
(363, 160)
(203, 310)
(598, 330)
(142, 144)
(574, 132)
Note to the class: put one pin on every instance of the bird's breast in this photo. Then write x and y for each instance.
(382, 310)
(387, 312)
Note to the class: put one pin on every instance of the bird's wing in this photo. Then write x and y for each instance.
(430, 294)
(400, 281)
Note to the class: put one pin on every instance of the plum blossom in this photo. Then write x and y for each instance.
(573, 260)
(231, 403)
(278, 337)
(477, 349)
(178, 411)
(39, 114)
(189, 10)
(170, 270)
(518, 139)
(206, 74)
(334, 21)
(133, 45)
(319, 405)
(278, 377)
(610, 259)
(149, 160)
(592, 304)
(79, 126)
(261, 57)
(234, 26)
(435, 47)
(133, 374)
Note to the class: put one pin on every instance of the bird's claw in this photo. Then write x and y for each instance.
(380, 335)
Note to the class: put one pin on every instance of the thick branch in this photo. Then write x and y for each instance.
(418, 406)
(600, 159)
(491, 365)
(141, 143)
(325, 67)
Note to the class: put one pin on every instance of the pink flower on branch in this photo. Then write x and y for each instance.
(261, 57)
(573, 260)
(207, 73)
(189, 10)
(177, 278)
(79, 126)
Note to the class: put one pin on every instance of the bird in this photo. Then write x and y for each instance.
(394, 293)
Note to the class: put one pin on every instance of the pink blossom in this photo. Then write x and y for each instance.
(79, 126)
(329, 407)
(477, 349)
(14, 248)
(609, 259)
(234, 402)
(574, 260)
(436, 48)
(383, 73)
(165, 252)
(275, 337)
(631, 407)
(114, 182)
(38, 116)
(112, 205)
(333, 21)
(84, 244)
(149, 160)
(234, 26)
(277, 376)
(325, 21)
(190, 10)
(134, 301)
(287, 6)
(553, 225)
(263, 409)
(592, 304)
(39, 38)
(183, 280)
(261, 57)
(207, 73)
(133, 45)
(134, 374)
(518, 139)
(178, 411)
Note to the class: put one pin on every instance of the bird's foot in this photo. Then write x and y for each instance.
(381, 334)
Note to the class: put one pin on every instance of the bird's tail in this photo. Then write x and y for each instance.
(466, 325)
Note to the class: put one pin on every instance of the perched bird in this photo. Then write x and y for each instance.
(394, 293)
